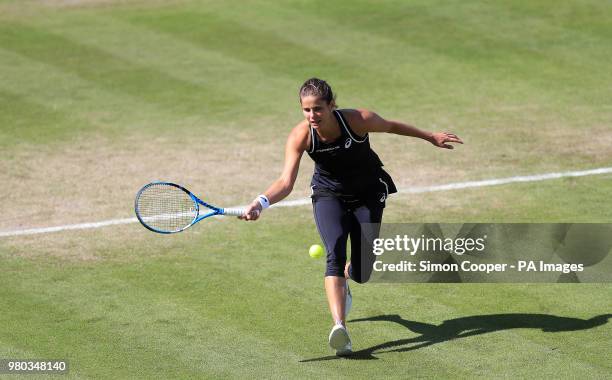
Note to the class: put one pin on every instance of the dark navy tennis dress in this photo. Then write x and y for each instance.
(348, 168)
(349, 191)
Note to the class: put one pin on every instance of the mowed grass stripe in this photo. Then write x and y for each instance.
(231, 303)
(587, 17)
(279, 49)
(246, 83)
(104, 340)
(95, 109)
(222, 334)
(73, 105)
(112, 73)
(52, 329)
(468, 39)
(391, 72)
(273, 54)
(21, 120)
(140, 312)
(493, 43)
(195, 28)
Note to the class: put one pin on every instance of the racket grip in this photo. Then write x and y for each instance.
(234, 211)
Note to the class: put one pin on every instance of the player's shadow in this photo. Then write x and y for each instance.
(464, 327)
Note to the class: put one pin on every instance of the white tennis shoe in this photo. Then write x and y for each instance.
(339, 340)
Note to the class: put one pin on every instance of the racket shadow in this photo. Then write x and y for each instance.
(463, 327)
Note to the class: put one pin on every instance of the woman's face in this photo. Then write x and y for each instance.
(316, 110)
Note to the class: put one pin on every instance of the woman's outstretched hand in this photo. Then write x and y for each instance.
(441, 139)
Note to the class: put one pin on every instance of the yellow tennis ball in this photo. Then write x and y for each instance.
(316, 251)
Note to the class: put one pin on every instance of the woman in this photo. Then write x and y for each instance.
(349, 188)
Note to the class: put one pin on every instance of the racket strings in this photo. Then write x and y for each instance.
(166, 208)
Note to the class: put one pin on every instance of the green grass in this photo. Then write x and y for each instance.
(97, 98)
(200, 305)
(575, 200)
(193, 305)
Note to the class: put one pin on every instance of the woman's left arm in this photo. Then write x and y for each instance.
(364, 121)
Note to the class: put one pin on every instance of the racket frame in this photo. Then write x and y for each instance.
(196, 201)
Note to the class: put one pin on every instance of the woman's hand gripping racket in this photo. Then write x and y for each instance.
(168, 208)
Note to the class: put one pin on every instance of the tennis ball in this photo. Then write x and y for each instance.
(315, 251)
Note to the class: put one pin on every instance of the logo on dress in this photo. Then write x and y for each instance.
(348, 142)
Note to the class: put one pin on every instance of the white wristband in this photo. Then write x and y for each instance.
(263, 201)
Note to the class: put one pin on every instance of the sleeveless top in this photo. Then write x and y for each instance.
(347, 167)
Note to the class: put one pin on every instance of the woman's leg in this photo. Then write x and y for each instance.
(365, 227)
(335, 289)
(333, 224)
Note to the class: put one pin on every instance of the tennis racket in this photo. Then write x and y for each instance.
(168, 208)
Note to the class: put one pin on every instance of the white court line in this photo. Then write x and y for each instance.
(307, 201)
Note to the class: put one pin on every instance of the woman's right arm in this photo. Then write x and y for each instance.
(297, 143)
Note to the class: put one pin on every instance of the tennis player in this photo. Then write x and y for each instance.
(349, 188)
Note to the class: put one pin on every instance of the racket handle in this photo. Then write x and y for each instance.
(234, 211)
